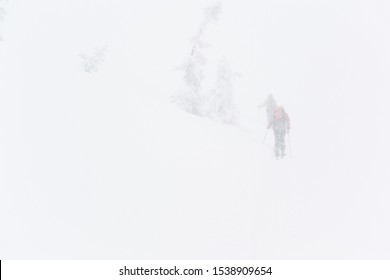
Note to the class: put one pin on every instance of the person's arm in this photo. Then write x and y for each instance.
(270, 124)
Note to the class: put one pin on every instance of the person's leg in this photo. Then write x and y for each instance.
(277, 142)
(282, 142)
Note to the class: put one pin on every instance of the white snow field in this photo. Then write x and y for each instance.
(101, 164)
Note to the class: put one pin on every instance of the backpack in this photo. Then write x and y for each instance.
(279, 113)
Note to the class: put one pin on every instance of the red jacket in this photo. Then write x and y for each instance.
(280, 115)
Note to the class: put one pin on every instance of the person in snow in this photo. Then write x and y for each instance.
(280, 125)
(270, 105)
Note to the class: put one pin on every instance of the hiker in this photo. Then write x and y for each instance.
(270, 105)
(280, 125)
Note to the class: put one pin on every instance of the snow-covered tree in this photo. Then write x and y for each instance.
(93, 62)
(190, 99)
(220, 103)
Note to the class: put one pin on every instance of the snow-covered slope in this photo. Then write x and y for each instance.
(103, 165)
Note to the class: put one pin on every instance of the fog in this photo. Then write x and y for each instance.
(102, 165)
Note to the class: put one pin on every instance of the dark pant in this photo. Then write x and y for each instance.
(280, 145)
